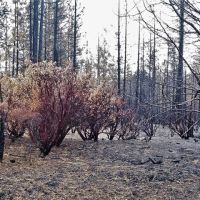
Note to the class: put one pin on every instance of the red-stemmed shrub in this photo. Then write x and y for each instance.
(47, 102)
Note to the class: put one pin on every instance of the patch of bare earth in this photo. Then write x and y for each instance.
(164, 168)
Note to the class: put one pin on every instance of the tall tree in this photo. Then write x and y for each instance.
(150, 64)
(119, 48)
(142, 94)
(125, 47)
(138, 66)
(179, 87)
(35, 31)
(41, 31)
(17, 37)
(31, 30)
(75, 37)
(55, 48)
(98, 61)
(104, 64)
(14, 40)
(3, 12)
(154, 65)
(6, 38)
(2, 136)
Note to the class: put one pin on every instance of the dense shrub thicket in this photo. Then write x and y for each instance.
(48, 102)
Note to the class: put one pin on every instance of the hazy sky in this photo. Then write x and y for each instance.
(99, 14)
(102, 14)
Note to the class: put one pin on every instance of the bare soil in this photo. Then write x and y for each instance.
(164, 168)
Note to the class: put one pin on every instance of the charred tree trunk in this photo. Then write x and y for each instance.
(154, 67)
(6, 44)
(138, 70)
(17, 38)
(119, 50)
(142, 94)
(14, 42)
(98, 62)
(2, 136)
(125, 52)
(35, 32)
(55, 48)
(150, 66)
(75, 38)
(179, 84)
(41, 32)
(31, 29)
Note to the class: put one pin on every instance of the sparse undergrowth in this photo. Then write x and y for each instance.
(48, 102)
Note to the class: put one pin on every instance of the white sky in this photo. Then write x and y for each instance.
(102, 14)
(99, 14)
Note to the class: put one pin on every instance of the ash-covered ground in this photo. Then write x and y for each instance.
(164, 168)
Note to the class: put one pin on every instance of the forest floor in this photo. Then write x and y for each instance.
(164, 168)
